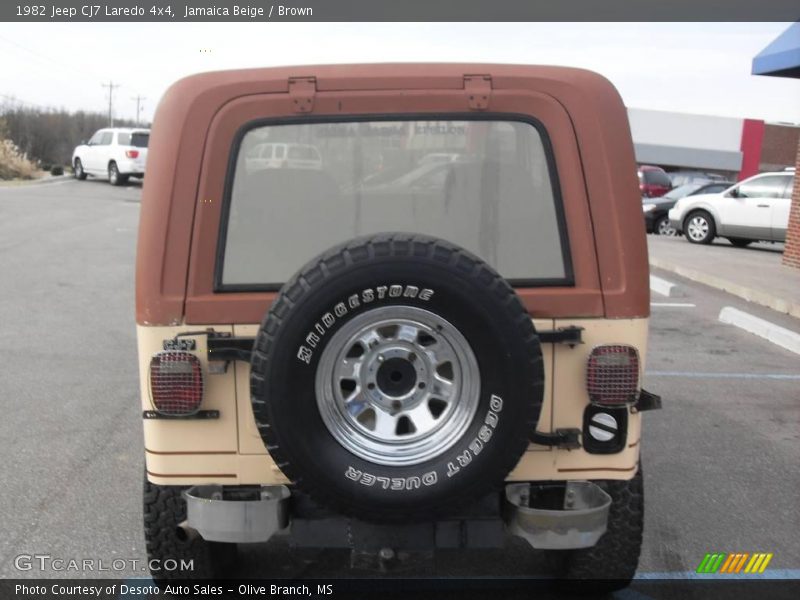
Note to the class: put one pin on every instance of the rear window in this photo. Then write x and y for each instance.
(140, 140)
(657, 178)
(303, 153)
(494, 196)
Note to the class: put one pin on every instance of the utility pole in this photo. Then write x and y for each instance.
(138, 107)
(110, 85)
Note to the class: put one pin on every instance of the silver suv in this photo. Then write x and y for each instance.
(754, 209)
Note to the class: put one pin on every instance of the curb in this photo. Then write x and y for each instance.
(17, 183)
(780, 336)
(663, 287)
(758, 297)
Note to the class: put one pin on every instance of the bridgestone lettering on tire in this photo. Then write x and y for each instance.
(396, 377)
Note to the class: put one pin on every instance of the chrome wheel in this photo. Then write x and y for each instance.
(397, 385)
(113, 174)
(697, 228)
(78, 169)
(664, 228)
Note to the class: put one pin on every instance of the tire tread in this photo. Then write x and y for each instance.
(359, 250)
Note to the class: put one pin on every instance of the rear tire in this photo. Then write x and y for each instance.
(610, 564)
(77, 170)
(699, 227)
(740, 242)
(164, 510)
(114, 176)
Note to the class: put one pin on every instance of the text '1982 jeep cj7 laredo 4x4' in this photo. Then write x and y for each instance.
(425, 329)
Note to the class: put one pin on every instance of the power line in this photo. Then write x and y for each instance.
(40, 56)
(110, 85)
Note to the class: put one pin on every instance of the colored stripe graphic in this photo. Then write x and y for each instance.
(711, 562)
(722, 562)
(731, 559)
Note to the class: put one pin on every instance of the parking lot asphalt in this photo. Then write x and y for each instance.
(720, 459)
(755, 274)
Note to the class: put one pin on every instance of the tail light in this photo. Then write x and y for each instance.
(176, 383)
(612, 375)
(132, 153)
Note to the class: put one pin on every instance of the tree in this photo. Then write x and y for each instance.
(49, 135)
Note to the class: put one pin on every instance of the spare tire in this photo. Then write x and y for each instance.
(395, 377)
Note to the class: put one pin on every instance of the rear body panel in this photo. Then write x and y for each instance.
(229, 450)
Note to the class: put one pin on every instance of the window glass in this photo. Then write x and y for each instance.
(484, 185)
(787, 191)
(140, 139)
(657, 178)
(684, 190)
(302, 152)
(105, 139)
(771, 186)
(123, 138)
(95, 140)
(715, 188)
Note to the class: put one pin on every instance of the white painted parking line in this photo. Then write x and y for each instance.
(663, 287)
(780, 336)
(674, 304)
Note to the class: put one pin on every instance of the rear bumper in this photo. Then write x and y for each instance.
(130, 168)
(650, 219)
(550, 515)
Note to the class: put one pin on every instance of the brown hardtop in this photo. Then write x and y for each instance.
(200, 121)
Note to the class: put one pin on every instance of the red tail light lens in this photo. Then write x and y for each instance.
(132, 153)
(612, 376)
(176, 383)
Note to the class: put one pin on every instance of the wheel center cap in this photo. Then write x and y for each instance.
(396, 377)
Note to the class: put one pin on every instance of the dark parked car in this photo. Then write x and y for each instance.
(656, 219)
(680, 178)
(653, 181)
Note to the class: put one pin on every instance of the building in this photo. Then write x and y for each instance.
(782, 59)
(736, 148)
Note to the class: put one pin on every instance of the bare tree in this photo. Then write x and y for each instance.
(49, 135)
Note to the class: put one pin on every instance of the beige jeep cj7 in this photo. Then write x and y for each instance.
(419, 322)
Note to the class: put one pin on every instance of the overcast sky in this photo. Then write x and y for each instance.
(699, 68)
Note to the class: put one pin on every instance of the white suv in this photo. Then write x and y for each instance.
(754, 209)
(276, 155)
(114, 153)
